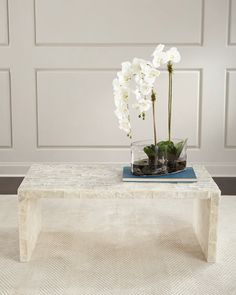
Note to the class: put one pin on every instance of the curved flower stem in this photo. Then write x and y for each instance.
(153, 96)
(170, 70)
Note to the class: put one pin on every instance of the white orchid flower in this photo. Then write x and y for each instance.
(116, 85)
(139, 78)
(144, 71)
(145, 88)
(122, 113)
(124, 80)
(158, 49)
(138, 94)
(137, 65)
(119, 102)
(143, 105)
(124, 124)
(173, 55)
(159, 56)
(126, 69)
(122, 93)
(118, 114)
(125, 75)
(151, 75)
(160, 59)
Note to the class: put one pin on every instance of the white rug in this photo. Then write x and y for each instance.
(121, 247)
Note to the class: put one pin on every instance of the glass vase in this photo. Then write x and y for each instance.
(162, 158)
(142, 164)
(177, 157)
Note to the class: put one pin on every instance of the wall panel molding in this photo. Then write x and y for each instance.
(4, 23)
(7, 111)
(231, 21)
(74, 146)
(227, 145)
(198, 71)
(119, 43)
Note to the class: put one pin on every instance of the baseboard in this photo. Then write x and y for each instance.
(9, 185)
(19, 169)
(11, 175)
(217, 169)
(14, 169)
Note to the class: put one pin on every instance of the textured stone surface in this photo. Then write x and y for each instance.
(117, 247)
(104, 182)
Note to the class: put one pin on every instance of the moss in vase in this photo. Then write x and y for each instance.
(166, 150)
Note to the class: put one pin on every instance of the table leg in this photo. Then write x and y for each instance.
(29, 226)
(206, 224)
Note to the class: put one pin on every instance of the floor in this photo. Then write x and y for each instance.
(9, 185)
(101, 247)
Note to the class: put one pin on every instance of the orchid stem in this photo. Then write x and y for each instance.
(170, 70)
(153, 96)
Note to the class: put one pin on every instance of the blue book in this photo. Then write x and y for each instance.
(188, 175)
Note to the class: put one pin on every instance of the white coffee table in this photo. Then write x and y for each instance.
(105, 182)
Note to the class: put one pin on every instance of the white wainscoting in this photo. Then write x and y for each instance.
(230, 132)
(4, 26)
(66, 101)
(5, 110)
(232, 23)
(118, 22)
(59, 57)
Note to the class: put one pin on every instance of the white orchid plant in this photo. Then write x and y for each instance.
(144, 74)
(138, 77)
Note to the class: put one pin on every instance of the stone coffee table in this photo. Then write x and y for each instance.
(105, 182)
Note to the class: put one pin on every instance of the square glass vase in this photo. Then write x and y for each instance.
(163, 158)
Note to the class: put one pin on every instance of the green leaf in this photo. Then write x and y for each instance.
(151, 150)
(166, 147)
(179, 147)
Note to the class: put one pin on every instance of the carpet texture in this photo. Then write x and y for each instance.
(101, 247)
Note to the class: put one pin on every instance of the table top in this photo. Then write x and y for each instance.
(105, 181)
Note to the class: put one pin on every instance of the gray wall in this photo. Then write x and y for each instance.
(58, 59)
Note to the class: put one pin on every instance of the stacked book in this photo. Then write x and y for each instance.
(188, 175)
